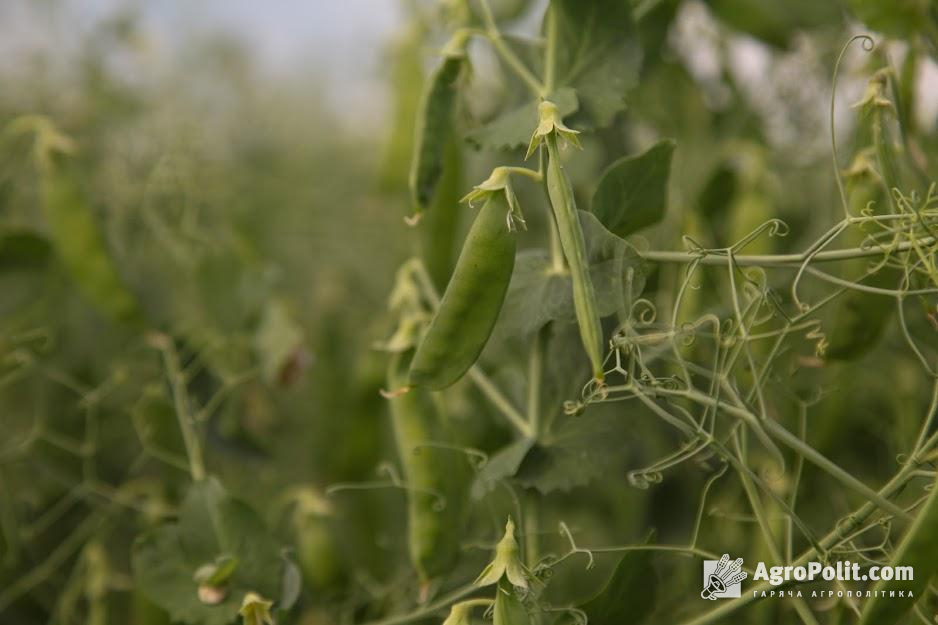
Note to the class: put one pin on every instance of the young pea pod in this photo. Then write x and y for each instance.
(574, 250)
(80, 244)
(434, 124)
(470, 306)
(436, 478)
(508, 608)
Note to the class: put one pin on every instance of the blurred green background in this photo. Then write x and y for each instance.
(246, 165)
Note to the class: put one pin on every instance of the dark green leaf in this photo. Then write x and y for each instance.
(896, 18)
(502, 464)
(514, 128)
(538, 294)
(21, 249)
(633, 191)
(598, 55)
(629, 595)
(775, 22)
(211, 524)
(580, 450)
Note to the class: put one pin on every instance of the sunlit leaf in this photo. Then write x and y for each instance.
(633, 191)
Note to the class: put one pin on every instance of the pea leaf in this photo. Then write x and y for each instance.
(581, 449)
(629, 595)
(598, 55)
(20, 249)
(513, 128)
(776, 22)
(501, 465)
(538, 294)
(633, 191)
(917, 550)
(897, 18)
(211, 524)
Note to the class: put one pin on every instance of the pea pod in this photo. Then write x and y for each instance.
(80, 245)
(470, 306)
(917, 550)
(434, 125)
(436, 486)
(574, 250)
(508, 608)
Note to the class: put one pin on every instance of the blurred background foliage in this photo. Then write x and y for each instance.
(254, 214)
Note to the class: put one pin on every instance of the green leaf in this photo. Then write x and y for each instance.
(776, 22)
(291, 584)
(211, 524)
(21, 249)
(501, 465)
(629, 595)
(917, 550)
(598, 55)
(513, 128)
(580, 450)
(508, 608)
(539, 294)
(896, 18)
(633, 191)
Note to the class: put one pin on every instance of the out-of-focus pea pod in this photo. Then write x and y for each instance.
(435, 123)
(438, 230)
(73, 229)
(470, 306)
(406, 80)
(436, 478)
(860, 318)
(877, 105)
(560, 191)
(317, 552)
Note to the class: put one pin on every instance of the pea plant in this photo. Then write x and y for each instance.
(637, 314)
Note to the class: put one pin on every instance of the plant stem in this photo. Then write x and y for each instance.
(535, 381)
(177, 385)
(718, 257)
(506, 53)
(495, 396)
(550, 52)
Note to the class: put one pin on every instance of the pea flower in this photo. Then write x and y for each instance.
(506, 562)
(549, 121)
(255, 610)
(499, 180)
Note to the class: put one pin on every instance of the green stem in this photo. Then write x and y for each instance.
(506, 53)
(550, 52)
(535, 381)
(177, 386)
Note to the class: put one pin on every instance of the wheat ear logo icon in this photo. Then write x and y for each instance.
(725, 575)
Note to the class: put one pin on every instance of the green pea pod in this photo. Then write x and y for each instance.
(574, 250)
(316, 552)
(860, 318)
(80, 244)
(470, 306)
(917, 550)
(434, 126)
(508, 608)
(439, 229)
(436, 478)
